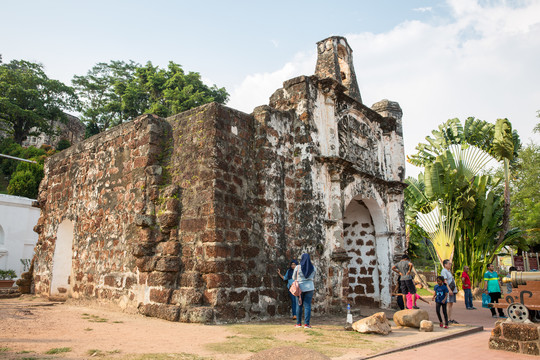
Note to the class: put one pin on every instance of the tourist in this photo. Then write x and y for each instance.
(404, 269)
(509, 275)
(304, 274)
(446, 273)
(400, 298)
(412, 300)
(288, 278)
(466, 281)
(441, 298)
(493, 289)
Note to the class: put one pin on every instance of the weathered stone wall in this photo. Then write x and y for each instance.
(99, 185)
(188, 218)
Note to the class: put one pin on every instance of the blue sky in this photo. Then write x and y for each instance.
(438, 59)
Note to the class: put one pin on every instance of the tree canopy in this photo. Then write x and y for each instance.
(525, 198)
(22, 178)
(30, 101)
(115, 92)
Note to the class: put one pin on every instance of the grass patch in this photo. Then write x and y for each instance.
(97, 352)
(25, 352)
(118, 322)
(330, 340)
(4, 349)
(58, 350)
(29, 358)
(94, 318)
(423, 292)
(88, 329)
(181, 356)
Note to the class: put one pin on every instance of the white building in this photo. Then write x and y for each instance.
(17, 238)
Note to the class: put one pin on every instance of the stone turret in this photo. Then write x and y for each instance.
(334, 60)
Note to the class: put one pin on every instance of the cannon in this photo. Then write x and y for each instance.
(525, 295)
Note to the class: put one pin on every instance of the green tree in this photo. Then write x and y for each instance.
(525, 210)
(25, 181)
(116, 92)
(63, 144)
(30, 101)
(22, 178)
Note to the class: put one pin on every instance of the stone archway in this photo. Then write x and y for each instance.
(359, 241)
(61, 281)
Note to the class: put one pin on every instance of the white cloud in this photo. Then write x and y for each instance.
(482, 62)
(423, 9)
(256, 89)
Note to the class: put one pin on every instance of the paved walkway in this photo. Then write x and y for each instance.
(473, 346)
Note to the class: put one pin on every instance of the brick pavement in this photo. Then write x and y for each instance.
(473, 346)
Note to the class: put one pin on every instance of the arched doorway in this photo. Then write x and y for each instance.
(62, 259)
(359, 241)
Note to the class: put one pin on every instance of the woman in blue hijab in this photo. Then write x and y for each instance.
(289, 280)
(305, 273)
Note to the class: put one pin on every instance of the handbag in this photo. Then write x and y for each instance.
(295, 288)
(486, 299)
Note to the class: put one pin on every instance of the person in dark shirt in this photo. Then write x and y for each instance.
(404, 269)
(441, 297)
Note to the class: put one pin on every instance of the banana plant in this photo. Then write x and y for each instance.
(453, 202)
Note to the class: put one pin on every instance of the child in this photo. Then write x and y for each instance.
(441, 297)
(411, 300)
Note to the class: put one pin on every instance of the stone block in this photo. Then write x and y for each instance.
(201, 314)
(186, 296)
(168, 219)
(168, 263)
(496, 332)
(426, 326)
(144, 220)
(530, 348)
(217, 280)
(520, 332)
(503, 344)
(170, 248)
(190, 279)
(162, 311)
(161, 278)
(160, 295)
(146, 263)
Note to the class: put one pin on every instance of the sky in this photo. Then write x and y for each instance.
(438, 59)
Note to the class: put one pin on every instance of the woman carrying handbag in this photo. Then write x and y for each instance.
(304, 275)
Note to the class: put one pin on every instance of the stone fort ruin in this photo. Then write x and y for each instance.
(188, 218)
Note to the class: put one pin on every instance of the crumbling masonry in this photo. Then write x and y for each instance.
(188, 218)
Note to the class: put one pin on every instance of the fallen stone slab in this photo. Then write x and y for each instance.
(410, 318)
(374, 324)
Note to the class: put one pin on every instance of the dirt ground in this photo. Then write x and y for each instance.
(30, 327)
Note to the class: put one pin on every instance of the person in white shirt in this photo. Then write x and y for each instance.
(446, 273)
